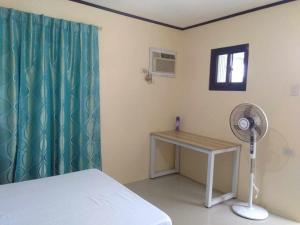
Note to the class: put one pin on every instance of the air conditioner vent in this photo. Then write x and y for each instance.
(162, 62)
(167, 56)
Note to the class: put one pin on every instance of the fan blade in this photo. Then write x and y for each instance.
(247, 111)
(257, 120)
(258, 130)
(236, 127)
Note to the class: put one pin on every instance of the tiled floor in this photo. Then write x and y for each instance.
(182, 199)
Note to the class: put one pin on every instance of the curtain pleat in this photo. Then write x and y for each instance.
(49, 96)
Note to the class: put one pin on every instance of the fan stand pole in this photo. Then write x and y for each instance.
(252, 168)
(249, 210)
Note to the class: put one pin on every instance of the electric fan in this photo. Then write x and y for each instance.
(249, 123)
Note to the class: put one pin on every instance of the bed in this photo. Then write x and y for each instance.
(88, 197)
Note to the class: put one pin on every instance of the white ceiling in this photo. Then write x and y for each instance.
(181, 13)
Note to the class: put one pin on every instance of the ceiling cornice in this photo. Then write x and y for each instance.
(239, 14)
(126, 14)
(188, 27)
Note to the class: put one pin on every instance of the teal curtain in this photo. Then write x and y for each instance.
(49, 96)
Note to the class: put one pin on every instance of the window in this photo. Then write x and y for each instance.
(228, 68)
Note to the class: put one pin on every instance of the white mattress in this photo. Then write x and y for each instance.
(87, 197)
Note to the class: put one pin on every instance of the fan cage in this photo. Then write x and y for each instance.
(249, 110)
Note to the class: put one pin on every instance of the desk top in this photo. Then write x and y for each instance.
(208, 143)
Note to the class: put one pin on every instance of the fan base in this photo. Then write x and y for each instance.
(254, 213)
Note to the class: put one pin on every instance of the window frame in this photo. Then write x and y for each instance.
(228, 86)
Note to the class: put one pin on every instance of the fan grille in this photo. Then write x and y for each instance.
(247, 110)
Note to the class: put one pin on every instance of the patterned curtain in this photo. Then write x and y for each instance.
(49, 96)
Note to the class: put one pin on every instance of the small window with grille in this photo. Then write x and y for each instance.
(228, 68)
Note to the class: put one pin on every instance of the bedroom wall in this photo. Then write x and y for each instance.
(274, 68)
(130, 108)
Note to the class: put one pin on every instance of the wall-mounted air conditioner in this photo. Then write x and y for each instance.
(162, 62)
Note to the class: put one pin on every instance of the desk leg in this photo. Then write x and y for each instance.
(209, 202)
(153, 172)
(209, 180)
(152, 156)
(177, 158)
(235, 171)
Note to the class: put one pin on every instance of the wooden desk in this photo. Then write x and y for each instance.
(207, 145)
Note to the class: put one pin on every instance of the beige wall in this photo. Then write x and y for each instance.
(274, 66)
(131, 108)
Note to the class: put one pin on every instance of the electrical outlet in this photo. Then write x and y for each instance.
(295, 90)
(288, 152)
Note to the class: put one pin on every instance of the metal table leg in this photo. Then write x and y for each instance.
(209, 180)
